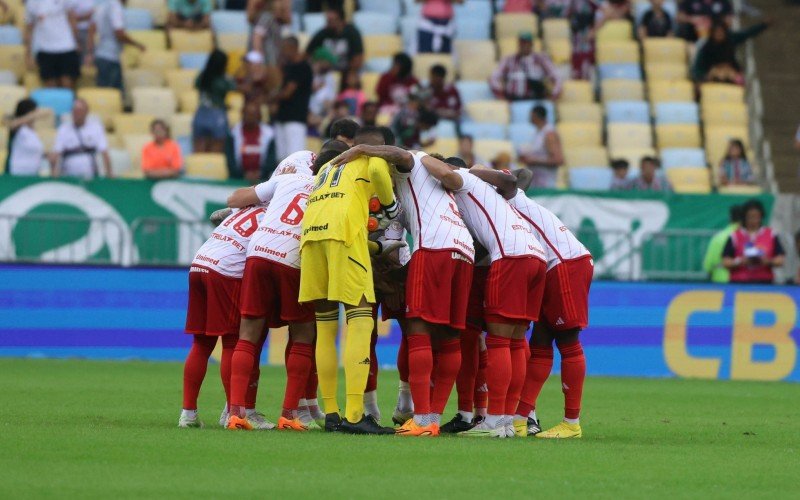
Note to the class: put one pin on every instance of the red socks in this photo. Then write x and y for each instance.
(372, 378)
(465, 381)
(420, 365)
(244, 357)
(518, 361)
(252, 387)
(313, 381)
(402, 359)
(539, 366)
(448, 363)
(498, 372)
(194, 369)
(481, 398)
(573, 373)
(228, 345)
(298, 366)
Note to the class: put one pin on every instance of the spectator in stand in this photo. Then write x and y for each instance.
(648, 180)
(341, 38)
(266, 38)
(396, 84)
(549, 8)
(77, 143)
(695, 17)
(25, 149)
(251, 142)
(735, 169)
(369, 114)
(611, 10)
(210, 123)
(436, 26)
(161, 157)
(291, 104)
(753, 250)
(84, 11)
(519, 6)
(524, 75)
(107, 28)
(339, 111)
(581, 14)
(544, 154)
(620, 181)
(351, 93)
(443, 97)
(323, 87)
(715, 60)
(320, 5)
(252, 79)
(501, 161)
(413, 125)
(189, 14)
(50, 29)
(712, 263)
(656, 22)
(466, 151)
(344, 130)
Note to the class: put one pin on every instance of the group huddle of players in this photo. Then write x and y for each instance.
(449, 252)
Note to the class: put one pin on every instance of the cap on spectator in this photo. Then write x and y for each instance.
(254, 57)
(526, 36)
(325, 54)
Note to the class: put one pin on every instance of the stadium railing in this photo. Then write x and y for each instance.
(163, 241)
(675, 254)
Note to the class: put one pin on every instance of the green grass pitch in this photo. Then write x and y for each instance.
(83, 429)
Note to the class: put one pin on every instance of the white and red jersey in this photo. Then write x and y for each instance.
(493, 222)
(225, 251)
(558, 241)
(433, 219)
(278, 234)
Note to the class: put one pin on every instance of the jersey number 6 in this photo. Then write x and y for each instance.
(293, 215)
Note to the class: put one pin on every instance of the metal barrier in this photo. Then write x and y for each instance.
(675, 254)
(164, 241)
(614, 253)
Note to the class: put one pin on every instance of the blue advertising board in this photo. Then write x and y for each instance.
(636, 329)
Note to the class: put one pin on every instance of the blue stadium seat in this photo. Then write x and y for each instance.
(474, 28)
(621, 71)
(229, 21)
(185, 143)
(411, 8)
(521, 111)
(446, 129)
(193, 60)
(683, 157)
(313, 22)
(392, 8)
(408, 31)
(375, 23)
(628, 112)
(590, 178)
(677, 112)
(59, 100)
(484, 130)
(138, 19)
(474, 9)
(10, 35)
(521, 133)
(378, 64)
(474, 90)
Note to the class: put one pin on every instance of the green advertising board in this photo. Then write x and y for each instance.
(135, 222)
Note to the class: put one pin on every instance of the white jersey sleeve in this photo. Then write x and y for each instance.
(266, 190)
(558, 241)
(225, 251)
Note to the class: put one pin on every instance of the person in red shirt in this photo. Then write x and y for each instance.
(161, 158)
(444, 97)
(396, 84)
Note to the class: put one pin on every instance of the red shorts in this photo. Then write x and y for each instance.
(476, 293)
(437, 288)
(213, 303)
(566, 294)
(514, 290)
(270, 290)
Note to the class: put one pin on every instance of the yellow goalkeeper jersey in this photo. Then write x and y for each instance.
(338, 207)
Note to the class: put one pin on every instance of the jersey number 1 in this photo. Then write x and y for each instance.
(337, 175)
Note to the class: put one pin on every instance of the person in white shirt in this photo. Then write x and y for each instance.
(77, 143)
(50, 28)
(108, 28)
(543, 154)
(25, 148)
(83, 10)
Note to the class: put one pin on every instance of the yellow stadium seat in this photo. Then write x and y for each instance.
(587, 156)
(131, 123)
(207, 166)
(46, 118)
(664, 50)
(234, 100)
(616, 29)
(512, 24)
(721, 93)
(48, 138)
(7, 16)
(576, 91)
(180, 124)
(470, 51)
(559, 50)
(580, 112)
(302, 38)
(157, 8)
(188, 101)
(105, 103)
(489, 111)
(31, 81)
(741, 189)
(369, 82)
(556, 29)
(671, 91)
(632, 155)
(617, 52)
(629, 135)
(508, 46)
(160, 60)
(666, 71)
(141, 77)
(12, 57)
(228, 42)
(191, 41)
(717, 138)
(181, 80)
(9, 96)
(313, 143)
(488, 149)
(580, 134)
(444, 146)
(151, 39)
(614, 89)
(424, 62)
(733, 113)
(235, 61)
(133, 144)
(689, 180)
(382, 45)
(678, 135)
(156, 101)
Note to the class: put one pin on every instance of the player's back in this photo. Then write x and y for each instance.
(225, 251)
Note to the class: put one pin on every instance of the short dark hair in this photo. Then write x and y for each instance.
(344, 127)
(466, 136)
(388, 136)
(24, 107)
(372, 136)
(428, 117)
(293, 40)
(339, 11)
(539, 111)
(456, 162)
(439, 70)
(735, 213)
(334, 145)
(620, 163)
(752, 204)
(651, 159)
(322, 159)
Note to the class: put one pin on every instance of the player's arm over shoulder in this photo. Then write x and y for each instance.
(444, 173)
(505, 183)
(260, 193)
(399, 157)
